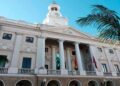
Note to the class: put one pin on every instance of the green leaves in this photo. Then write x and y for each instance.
(107, 22)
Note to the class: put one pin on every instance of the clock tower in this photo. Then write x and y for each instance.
(54, 16)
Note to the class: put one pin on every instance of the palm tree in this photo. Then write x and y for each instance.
(107, 22)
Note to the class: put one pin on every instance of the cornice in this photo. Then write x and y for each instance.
(16, 23)
(91, 42)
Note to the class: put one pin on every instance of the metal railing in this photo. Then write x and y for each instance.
(53, 72)
(25, 71)
(3, 70)
(92, 73)
(73, 72)
(107, 74)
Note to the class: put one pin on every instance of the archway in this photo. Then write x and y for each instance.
(53, 83)
(74, 83)
(109, 83)
(24, 83)
(93, 83)
(1, 83)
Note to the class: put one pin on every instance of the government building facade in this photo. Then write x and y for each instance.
(55, 54)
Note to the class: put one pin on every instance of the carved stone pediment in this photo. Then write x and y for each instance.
(65, 30)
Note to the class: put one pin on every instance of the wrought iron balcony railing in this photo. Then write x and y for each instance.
(53, 72)
(107, 74)
(73, 72)
(25, 71)
(3, 70)
(91, 73)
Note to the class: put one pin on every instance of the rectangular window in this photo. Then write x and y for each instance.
(117, 68)
(29, 39)
(3, 60)
(111, 51)
(7, 36)
(26, 62)
(104, 67)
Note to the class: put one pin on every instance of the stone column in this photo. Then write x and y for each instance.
(79, 59)
(40, 60)
(106, 51)
(92, 52)
(69, 59)
(62, 57)
(15, 59)
(53, 57)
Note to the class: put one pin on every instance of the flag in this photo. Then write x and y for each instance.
(94, 62)
(76, 64)
(57, 61)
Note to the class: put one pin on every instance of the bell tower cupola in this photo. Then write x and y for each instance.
(54, 16)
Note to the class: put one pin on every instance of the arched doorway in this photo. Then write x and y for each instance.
(93, 83)
(53, 83)
(24, 83)
(109, 83)
(1, 83)
(74, 83)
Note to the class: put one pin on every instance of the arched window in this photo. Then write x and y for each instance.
(54, 9)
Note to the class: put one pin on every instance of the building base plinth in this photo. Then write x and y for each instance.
(13, 70)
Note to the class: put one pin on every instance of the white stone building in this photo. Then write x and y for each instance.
(55, 54)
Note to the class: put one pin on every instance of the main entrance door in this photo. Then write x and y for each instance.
(53, 83)
(74, 83)
(93, 83)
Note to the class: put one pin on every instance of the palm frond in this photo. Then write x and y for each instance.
(107, 22)
(105, 11)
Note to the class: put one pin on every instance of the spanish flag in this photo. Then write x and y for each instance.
(94, 62)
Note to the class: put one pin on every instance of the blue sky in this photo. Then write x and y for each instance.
(34, 11)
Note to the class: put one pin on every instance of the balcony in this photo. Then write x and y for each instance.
(3, 70)
(107, 74)
(73, 72)
(53, 72)
(25, 71)
(91, 73)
